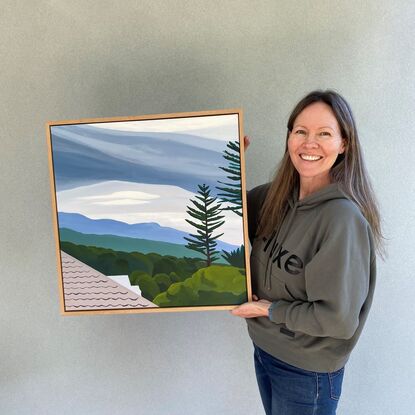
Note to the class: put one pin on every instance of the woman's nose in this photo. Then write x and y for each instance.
(310, 140)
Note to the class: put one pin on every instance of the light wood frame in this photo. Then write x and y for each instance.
(51, 124)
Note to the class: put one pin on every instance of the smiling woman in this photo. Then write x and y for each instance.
(314, 231)
(314, 143)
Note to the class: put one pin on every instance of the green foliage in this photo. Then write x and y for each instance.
(153, 273)
(107, 261)
(111, 262)
(218, 298)
(177, 295)
(153, 257)
(149, 288)
(214, 285)
(186, 267)
(164, 264)
(135, 276)
(186, 283)
(143, 262)
(174, 277)
(122, 265)
(206, 219)
(236, 257)
(232, 192)
(163, 281)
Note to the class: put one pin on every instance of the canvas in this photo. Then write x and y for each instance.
(150, 212)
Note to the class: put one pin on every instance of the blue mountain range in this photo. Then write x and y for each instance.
(151, 231)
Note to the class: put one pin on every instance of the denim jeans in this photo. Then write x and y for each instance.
(288, 390)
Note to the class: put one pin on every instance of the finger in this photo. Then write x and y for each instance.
(247, 141)
(254, 297)
(236, 313)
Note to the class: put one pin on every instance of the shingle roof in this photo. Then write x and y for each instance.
(87, 289)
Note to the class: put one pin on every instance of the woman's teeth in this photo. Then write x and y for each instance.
(309, 158)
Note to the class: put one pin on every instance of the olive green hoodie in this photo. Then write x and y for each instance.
(319, 270)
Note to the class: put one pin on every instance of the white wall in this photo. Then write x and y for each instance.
(83, 59)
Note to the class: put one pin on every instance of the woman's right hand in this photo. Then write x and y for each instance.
(247, 141)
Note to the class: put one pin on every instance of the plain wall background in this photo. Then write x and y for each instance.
(83, 59)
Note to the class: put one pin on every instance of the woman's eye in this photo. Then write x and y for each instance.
(326, 133)
(300, 132)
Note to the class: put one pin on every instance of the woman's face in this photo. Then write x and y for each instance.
(315, 142)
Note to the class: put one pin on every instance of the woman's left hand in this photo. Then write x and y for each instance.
(256, 308)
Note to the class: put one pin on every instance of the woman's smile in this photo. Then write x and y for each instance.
(310, 157)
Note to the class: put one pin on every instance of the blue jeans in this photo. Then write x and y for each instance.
(288, 390)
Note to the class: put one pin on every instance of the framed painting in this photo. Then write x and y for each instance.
(150, 212)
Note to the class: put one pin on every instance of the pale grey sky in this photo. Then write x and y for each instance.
(217, 127)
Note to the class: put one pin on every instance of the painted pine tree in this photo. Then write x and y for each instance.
(206, 219)
(232, 193)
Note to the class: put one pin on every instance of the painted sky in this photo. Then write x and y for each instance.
(217, 127)
(141, 203)
(143, 171)
(87, 153)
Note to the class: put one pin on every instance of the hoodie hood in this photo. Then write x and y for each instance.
(329, 192)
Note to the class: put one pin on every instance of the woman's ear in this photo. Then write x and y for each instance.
(343, 146)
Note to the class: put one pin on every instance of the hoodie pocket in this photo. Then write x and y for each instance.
(281, 289)
(289, 292)
(291, 287)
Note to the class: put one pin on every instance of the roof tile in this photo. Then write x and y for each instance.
(87, 289)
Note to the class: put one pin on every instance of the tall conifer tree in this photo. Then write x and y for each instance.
(232, 193)
(207, 219)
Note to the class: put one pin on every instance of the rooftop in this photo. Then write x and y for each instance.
(87, 289)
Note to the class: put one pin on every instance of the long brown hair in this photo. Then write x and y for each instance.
(348, 170)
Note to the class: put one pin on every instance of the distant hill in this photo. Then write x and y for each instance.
(125, 244)
(147, 231)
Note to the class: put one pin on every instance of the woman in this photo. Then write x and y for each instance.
(314, 231)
